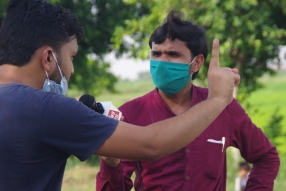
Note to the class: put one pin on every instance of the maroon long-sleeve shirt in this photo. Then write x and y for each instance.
(201, 165)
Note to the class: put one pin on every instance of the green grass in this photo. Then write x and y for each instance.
(266, 100)
(81, 176)
(127, 91)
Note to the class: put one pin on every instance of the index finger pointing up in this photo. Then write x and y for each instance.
(214, 63)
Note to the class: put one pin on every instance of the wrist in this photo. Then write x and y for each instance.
(112, 162)
(219, 101)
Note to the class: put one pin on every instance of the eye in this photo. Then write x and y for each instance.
(173, 54)
(156, 54)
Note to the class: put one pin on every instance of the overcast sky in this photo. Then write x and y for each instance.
(126, 68)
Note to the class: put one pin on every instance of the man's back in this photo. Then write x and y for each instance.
(21, 142)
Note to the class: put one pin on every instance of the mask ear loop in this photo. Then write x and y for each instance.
(47, 77)
(57, 64)
(190, 66)
(63, 80)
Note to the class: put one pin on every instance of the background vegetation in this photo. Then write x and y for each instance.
(250, 32)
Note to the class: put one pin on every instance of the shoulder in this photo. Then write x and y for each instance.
(202, 93)
(234, 108)
(139, 106)
(62, 101)
(201, 90)
(199, 94)
(23, 97)
(138, 102)
(60, 105)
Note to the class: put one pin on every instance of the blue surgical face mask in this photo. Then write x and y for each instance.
(170, 77)
(51, 86)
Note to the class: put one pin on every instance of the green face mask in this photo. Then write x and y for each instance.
(170, 77)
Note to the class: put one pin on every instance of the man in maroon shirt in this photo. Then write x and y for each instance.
(179, 49)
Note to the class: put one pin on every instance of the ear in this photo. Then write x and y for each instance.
(197, 64)
(46, 58)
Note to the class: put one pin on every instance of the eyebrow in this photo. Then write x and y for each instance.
(166, 52)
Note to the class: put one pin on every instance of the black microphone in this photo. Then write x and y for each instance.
(90, 102)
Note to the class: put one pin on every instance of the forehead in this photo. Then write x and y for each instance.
(70, 47)
(170, 45)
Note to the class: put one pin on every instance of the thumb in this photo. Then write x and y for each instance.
(234, 70)
(214, 63)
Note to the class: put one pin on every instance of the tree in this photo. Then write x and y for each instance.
(249, 31)
(274, 131)
(99, 19)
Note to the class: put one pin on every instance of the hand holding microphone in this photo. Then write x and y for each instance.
(90, 102)
(107, 109)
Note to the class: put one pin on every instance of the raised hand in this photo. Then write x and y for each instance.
(221, 80)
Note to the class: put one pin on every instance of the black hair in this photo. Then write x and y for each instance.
(174, 27)
(244, 166)
(31, 24)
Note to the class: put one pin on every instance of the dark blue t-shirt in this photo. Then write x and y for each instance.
(39, 131)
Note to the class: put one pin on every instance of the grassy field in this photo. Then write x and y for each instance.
(81, 176)
(268, 99)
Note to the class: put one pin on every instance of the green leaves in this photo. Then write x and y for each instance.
(99, 19)
(249, 31)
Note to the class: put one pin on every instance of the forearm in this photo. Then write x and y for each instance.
(164, 137)
(180, 131)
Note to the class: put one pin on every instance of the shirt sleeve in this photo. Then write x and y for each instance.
(115, 178)
(68, 127)
(255, 148)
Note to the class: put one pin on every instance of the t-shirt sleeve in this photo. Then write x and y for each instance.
(72, 128)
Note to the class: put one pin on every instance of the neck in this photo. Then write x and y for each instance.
(180, 102)
(14, 74)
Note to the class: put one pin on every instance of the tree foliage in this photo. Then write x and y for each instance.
(274, 131)
(249, 31)
(99, 19)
